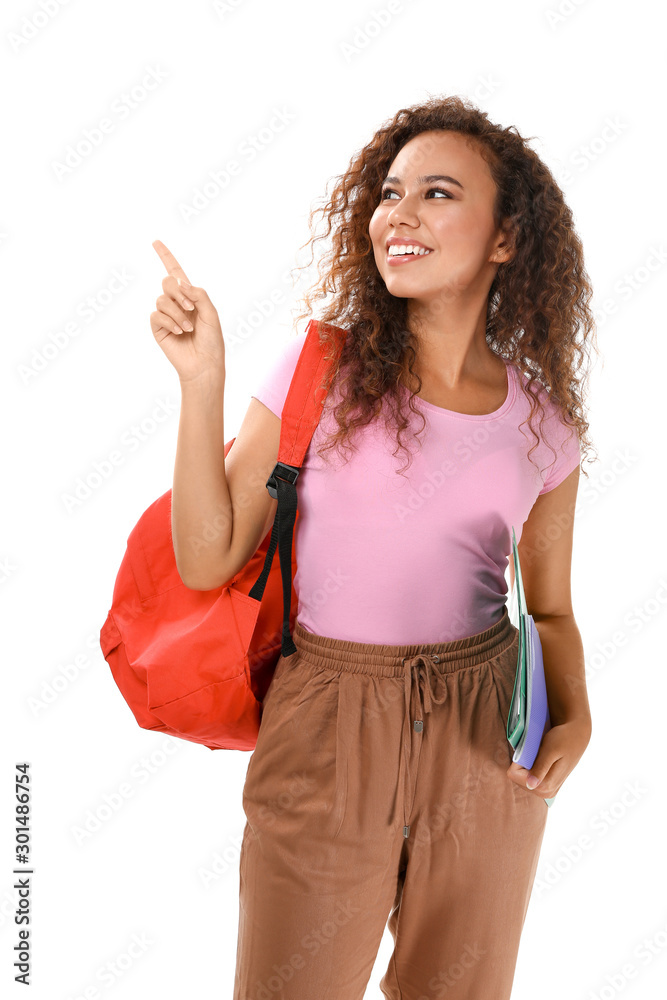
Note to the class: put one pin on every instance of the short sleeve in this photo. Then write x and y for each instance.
(568, 454)
(274, 386)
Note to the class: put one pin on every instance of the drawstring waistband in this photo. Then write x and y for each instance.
(392, 660)
(413, 663)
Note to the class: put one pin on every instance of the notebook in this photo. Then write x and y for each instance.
(528, 717)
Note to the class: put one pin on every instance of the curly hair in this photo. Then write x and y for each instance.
(538, 315)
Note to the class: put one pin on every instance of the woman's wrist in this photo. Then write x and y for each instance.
(208, 377)
(581, 722)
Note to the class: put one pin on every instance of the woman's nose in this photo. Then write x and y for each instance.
(405, 209)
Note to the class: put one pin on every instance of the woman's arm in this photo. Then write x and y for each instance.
(201, 509)
(221, 508)
(545, 554)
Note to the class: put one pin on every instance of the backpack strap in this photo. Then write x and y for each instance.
(300, 416)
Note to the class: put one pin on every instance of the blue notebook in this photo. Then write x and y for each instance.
(528, 717)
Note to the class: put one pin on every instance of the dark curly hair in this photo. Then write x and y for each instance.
(538, 315)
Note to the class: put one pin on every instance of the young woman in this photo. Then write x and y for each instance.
(382, 785)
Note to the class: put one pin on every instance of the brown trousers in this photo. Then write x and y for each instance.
(376, 796)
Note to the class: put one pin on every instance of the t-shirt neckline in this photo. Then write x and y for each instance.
(494, 415)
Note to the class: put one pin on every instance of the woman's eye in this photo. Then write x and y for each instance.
(388, 191)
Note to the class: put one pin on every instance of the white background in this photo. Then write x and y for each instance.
(222, 71)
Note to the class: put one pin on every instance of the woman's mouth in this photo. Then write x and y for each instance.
(400, 258)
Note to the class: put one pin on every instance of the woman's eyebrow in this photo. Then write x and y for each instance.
(426, 180)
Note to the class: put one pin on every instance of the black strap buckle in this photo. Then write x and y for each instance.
(289, 473)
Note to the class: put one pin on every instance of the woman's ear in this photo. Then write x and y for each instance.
(506, 248)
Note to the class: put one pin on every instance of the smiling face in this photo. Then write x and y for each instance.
(439, 192)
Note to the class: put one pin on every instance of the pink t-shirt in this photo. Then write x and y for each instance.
(419, 557)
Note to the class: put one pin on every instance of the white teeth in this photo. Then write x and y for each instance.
(399, 249)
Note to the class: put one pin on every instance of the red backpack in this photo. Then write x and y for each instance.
(197, 664)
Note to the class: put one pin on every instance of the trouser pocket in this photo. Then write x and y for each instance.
(502, 671)
(295, 783)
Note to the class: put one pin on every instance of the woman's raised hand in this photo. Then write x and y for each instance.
(192, 351)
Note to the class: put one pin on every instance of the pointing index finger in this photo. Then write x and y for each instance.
(170, 262)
